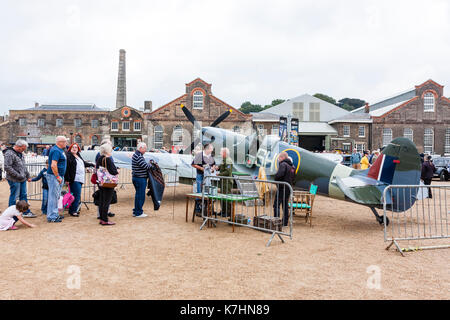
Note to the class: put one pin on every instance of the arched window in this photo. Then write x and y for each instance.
(197, 99)
(94, 140)
(387, 136)
(78, 139)
(428, 141)
(177, 136)
(408, 133)
(158, 137)
(428, 102)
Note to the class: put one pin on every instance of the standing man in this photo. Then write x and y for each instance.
(226, 170)
(201, 160)
(55, 177)
(46, 151)
(139, 172)
(17, 174)
(286, 173)
(428, 170)
(356, 159)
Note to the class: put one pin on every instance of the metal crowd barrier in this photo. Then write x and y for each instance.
(427, 219)
(223, 202)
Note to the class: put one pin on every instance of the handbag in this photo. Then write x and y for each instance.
(105, 179)
(68, 199)
(94, 177)
(96, 196)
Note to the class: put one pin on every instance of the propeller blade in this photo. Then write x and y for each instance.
(190, 117)
(221, 118)
(189, 149)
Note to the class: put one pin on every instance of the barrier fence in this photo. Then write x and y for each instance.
(249, 203)
(34, 189)
(427, 219)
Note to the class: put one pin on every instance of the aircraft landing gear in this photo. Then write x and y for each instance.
(379, 218)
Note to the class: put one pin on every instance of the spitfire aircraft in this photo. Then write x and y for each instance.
(399, 164)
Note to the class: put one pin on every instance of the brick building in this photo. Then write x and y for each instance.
(421, 114)
(168, 126)
(85, 124)
(127, 127)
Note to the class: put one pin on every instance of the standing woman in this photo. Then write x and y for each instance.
(106, 194)
(74, 177)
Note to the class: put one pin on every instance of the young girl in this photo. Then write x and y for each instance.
(14, 214)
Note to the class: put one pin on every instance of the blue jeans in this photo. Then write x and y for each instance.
(140, 185)
(44, 201)
(75, 189)
(18, 190)
(54, 192)
(199, 180)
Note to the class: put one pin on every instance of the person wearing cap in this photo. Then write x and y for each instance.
(365, 164)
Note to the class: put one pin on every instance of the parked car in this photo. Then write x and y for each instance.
(347, 160)
(442, 165)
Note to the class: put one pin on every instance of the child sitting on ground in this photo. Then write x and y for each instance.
(14, 214)
(43, 175)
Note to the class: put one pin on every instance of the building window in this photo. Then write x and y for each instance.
(78, 139)
(428, 141)
(314, 111)
(275, 129)
(114, 126)
(158, 137)
(260, 129)
(360, 147)
(59, 123)
(198, 100)
(137, 126)
(22, 122)
(237, 129)
(447, 141)
(428, 102)
(346, 131)
(408, 133)
(126, 126)
(41, 122)
(94, 123)
(77, 123)
(362, 132)
(346, 147)
(297, 110)
(94, 140)
(177, 136)
(387, 136)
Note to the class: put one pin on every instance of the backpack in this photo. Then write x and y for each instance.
(68, 199)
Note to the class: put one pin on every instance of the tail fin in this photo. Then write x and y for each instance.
(399, 164)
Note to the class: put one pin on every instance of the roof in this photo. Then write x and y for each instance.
(68, 107)
(264, 117)
(353, 117)
(314, 128)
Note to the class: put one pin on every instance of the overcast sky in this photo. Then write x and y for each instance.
(68, 51)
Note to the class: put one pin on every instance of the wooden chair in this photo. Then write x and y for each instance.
(304, 201)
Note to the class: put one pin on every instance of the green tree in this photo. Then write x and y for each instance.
(274, 103)
(326, 98)
(248, 107)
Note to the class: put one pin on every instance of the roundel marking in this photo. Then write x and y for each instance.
(296, 158)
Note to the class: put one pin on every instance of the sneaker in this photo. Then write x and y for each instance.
(141, 216)
(110, 214)
(55, 220)
(29, 215)
(13, 228)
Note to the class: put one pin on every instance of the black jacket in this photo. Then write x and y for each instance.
(71, 170)
(286, 172)
(109, 165)
(428, 170)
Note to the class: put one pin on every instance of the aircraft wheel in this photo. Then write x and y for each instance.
(380, 220)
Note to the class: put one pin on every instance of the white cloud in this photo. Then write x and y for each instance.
(67, 51)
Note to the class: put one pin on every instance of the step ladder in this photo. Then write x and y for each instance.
(248, 188)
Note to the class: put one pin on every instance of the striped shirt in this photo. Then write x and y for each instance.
(139, 168)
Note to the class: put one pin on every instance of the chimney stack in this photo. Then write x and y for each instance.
(367, 108)
(148, 106)
(122, 81)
